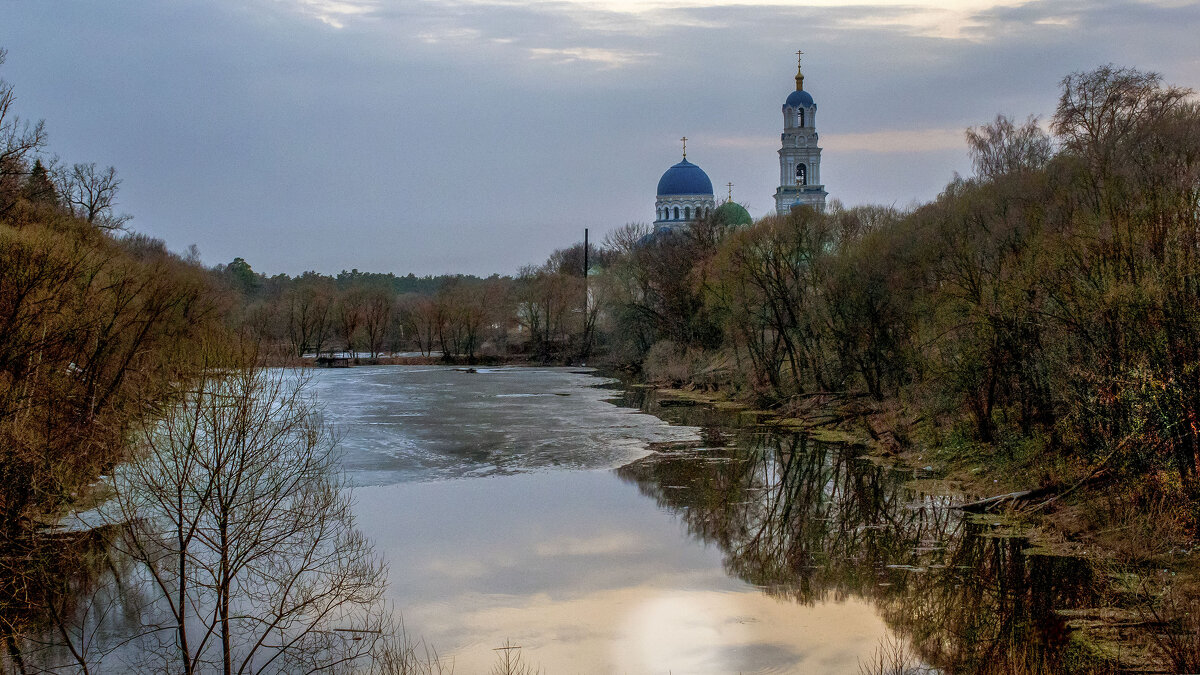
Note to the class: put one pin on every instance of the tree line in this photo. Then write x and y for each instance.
(542, 313)
(1050, 300)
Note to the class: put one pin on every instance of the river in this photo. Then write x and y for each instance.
(603, 529)
(528, 507)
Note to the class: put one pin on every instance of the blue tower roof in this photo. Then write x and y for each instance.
(684, 178)
(799, 98)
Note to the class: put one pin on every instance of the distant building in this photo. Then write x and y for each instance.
(799, 154)
(732, 214)
(685, 193)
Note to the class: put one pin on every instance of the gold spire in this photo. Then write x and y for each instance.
(730, 193)
(799, 73)
(684, 139)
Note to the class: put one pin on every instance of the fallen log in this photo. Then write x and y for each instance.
(989, 502)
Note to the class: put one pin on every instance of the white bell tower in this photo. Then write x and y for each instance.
(799, 154)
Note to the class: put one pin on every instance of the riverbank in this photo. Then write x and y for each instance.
(1146, 574)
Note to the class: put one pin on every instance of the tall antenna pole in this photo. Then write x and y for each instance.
(583, 347)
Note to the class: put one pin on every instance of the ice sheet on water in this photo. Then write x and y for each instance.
(401, 424)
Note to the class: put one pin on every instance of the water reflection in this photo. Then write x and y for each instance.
(63, 600)
(590, 577)
(747, 550)
(813, 523)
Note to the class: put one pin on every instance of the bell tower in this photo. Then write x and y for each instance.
(799, 154)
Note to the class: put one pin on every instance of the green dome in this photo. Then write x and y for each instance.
(732, 213)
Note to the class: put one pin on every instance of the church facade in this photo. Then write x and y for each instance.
(685, 193)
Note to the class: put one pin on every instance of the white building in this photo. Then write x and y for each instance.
(799, 154)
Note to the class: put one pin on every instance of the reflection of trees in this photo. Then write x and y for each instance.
(231, 527)
(799, 518)
(809, 521)
(58, 594)
(988, 607)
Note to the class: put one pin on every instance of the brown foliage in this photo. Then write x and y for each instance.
(96, 335)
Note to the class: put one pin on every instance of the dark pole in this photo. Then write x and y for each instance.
(583, 347)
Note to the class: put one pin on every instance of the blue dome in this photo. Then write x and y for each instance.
(798, 99)
(684, 178)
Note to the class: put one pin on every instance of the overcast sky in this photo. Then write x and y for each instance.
(478, 135)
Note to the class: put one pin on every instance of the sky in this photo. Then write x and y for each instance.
(477, 136)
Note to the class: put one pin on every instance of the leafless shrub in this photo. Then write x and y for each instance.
(240, 518)
(509, 661)
(893, 657)
(396, 653)
(1174, 617)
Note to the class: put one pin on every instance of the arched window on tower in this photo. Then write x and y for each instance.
(687, 213)
(800, 117)
(801, 174)
(676, 213)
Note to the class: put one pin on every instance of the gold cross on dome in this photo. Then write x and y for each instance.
(799, 55)
(730, 191)
(684, 139)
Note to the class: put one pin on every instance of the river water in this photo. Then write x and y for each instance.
(530, 507)
(606, 530)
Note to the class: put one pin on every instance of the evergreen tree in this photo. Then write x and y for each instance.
(39, 189)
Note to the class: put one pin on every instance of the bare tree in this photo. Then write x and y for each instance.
(349, 316)
(18, 140)
(309, 316)
(91, 194)
(1100, 109)
(425, 321)
(377, 316)
(1002, 147)
(625, 239)
(240, 518)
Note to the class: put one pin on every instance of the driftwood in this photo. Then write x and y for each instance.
(1054, 492)
(677, 403)
(988, 503)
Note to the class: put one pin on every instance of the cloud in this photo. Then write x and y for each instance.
(334, 13)
(615, 543)
(451, 34)
(509, 123)
(892, 141)
(608, 58)
(745, 143)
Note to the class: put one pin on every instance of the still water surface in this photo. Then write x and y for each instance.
(531, 507)
(519, 504)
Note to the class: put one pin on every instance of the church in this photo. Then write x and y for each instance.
(685, 193)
